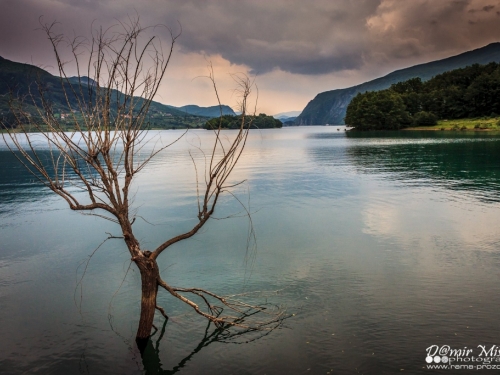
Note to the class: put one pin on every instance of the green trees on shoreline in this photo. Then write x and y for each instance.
(469, 92)
(262, 121)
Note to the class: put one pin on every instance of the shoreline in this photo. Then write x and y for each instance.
(465, 124)
(433, 129)
(480, 125)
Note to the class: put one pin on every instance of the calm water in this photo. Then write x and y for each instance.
(381, 245)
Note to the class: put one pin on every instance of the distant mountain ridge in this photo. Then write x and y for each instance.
(213, 111)
(17, 78)
(287, 115)
(329, 107)
(191, 109)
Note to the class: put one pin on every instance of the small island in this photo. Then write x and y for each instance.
(262, 121)
(461, 99)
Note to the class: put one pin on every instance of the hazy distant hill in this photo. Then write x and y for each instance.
(287, 115)
(329, 107)
(192, 109)
(287, 121)
(287, 118)
(213, 111)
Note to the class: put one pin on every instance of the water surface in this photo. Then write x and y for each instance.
(380, 245)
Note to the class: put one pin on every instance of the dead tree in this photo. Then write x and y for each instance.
(92, 166)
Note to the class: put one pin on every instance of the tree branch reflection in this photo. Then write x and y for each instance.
(226, 334)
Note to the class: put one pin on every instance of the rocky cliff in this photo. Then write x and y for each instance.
(329, 107)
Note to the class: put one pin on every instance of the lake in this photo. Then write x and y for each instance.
(379, 245)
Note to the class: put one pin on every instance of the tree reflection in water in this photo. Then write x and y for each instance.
(151, 352)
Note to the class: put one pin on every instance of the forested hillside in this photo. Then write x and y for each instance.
(469, 92)
(25, 84)
(329, 107)
(262, 121)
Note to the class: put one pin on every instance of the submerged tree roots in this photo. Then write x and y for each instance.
(223, 311)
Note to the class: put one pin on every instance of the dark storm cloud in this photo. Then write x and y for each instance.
(20, 22)
(296, 36)
(304, 37)
(486, 8)
(324, 36)
(420, 28)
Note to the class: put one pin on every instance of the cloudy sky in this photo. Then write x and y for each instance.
(294, 48)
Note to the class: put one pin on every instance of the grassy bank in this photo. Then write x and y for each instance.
(487, 124)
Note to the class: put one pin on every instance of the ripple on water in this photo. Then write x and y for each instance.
(378, 246)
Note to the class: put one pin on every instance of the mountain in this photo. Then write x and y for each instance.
(86, 81)
(213, 111)
(19, 79)
(330, 107)
(287, 118)
(287, 115)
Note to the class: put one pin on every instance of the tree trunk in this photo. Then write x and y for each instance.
(149, 276)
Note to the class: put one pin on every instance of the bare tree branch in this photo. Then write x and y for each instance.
(93, 165)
